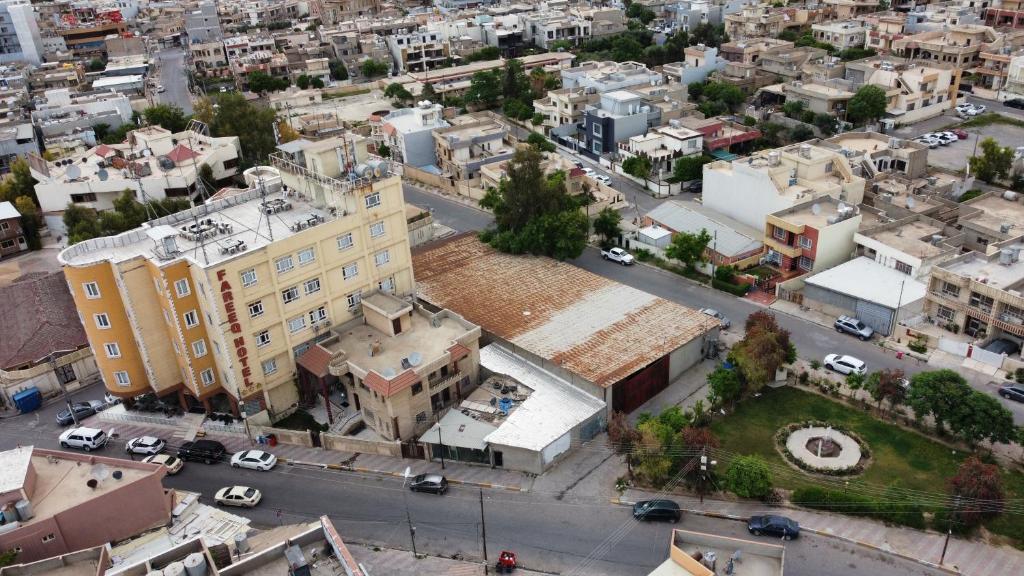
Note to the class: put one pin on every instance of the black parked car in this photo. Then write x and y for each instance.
(1015, 392)
(774, 526)
(206, 451)
(1017, 103)
(1003, 346)
(429, 483)
(82, 410)
(657, 510)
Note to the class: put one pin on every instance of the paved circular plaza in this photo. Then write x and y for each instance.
(823, 448)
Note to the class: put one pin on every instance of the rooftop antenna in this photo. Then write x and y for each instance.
(139, 192)
(263, 202)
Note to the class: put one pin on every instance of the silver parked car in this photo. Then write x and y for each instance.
(851, 325)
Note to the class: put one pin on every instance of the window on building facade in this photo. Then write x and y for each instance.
(311, 286)
(950, 289)
(191, 319)
(345, 241)
(207, 377)
(290, 294)
(806, 243)
(381, 258)
(199, 348)
(387, 284)
(102, 321)
(372, 200)
(779, 233)
(981, 302)
(296, 324)
(121, 378)
(249, 278)
(354, 299)
(65, 374)
(317, 316)
(904, 267)
(262, 338)
(945, 313)
(256, 309)
(284, 264)
(92, 290)
(377, 229)
(181, 288)
(112, 350)
(805, 263)
(306, 256)
(350, 271)
(269, 366)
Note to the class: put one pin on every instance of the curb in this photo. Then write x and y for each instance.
(823, 533)
(393, 474)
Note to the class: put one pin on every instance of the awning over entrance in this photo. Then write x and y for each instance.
(723, 155)
(315, 361)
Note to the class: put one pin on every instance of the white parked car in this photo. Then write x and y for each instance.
(588, 171)
(254, 460)
(606, 180)
(947, 138)
(243, 496)
(928, 141)
(173, 463)
(83, 438)
(845, 364)
(145, 445)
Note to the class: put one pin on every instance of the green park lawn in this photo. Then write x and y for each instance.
(898, 455)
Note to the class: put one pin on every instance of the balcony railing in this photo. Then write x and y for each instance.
(440, 383)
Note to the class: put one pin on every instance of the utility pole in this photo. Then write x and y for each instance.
(412, 531)
(483, 529)
(949, 530)
(63, 387)
(440, 443)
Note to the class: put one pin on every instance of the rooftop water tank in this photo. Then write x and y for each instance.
(195, 564)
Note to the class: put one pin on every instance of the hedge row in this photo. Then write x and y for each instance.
(734, 289)
(906, 514)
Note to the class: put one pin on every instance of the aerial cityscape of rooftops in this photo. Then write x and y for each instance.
(577, 287)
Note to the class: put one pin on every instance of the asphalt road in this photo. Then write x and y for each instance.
(171, 74)
(547, 533)
(812, 341)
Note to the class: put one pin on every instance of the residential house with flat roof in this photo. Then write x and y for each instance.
(1005, 14)
(749, 189)
(958, 45)
(910, 245)
(698, 62)
(842, 34)
(811, 236)
(991, 218)
(609, 76)
(564, 106)
(700, 554)
(618, 116)
(469, 143)
(663, 145)
(754, 21)
(915, 89)
(408, 133)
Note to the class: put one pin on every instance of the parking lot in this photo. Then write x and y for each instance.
(954, 156)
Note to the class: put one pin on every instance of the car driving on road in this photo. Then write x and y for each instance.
(242, 496)
(845, 364)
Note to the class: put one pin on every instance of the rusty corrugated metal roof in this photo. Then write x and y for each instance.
(598, 329)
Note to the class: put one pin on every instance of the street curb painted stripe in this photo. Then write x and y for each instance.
(488, 485)
(933, 565)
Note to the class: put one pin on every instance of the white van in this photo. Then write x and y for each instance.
(87, 439)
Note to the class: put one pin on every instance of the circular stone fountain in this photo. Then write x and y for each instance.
(823, 448)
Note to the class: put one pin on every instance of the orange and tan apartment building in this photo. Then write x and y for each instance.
(214, 305)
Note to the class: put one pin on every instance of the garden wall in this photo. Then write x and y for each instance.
(285, 436)
(349, 444)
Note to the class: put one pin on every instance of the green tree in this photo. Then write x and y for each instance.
(641, 13)
(261, 82)
(826, 123)
(695, 90)
(252, 124)
(800, 133)
(749, 477)
(793, 109)
(7, 558)
(132, 212)
(383, 150)
(371, 68)
(688, 247)
(725, 387)
(19, 183)
(399, 93)
(539, 142)
(638, 166)
(485, 53)
(725, 93)
(979, 488)
(206, 174)
(689, 168)
(338, 71)
(867, 105)
(534, 214)
(30, 221)
(484, 89)
(167, 116)
(764, 348)
(101, 130)
(81, 223)
(709, 34)
(428, 92)
(97, 64)
(625, 47)
(994, 163)
(982, 417)
(888, 385)
(607, 225)
(514, 83)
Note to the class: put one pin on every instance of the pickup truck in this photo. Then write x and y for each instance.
(617, 255)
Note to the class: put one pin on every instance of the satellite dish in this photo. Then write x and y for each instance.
(910, 202)
(102, 175)
(415, 358)
(815, 209)
(73, 172)
(147, 152)
(388, 373)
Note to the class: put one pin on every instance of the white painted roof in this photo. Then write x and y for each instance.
(458, 430)
(7, 210)
(655, 232)
(101, 83)
(729, 240)
(553, 408)
(13, 467)
(865, 279)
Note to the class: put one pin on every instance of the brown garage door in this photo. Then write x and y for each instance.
(630, 393)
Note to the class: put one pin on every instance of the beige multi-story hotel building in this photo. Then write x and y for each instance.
(216, 303)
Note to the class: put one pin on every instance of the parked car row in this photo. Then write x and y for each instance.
(769, 525)
(936, 139)
(968, 110)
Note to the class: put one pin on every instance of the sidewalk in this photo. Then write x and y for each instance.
(455, 472)
(962, 557)
(402, 563)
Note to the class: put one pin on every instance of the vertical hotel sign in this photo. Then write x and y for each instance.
(237, 340)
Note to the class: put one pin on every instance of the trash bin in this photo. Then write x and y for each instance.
(272, 439)
(899, 355)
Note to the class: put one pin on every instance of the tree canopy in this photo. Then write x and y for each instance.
(638, 166)
(168, 116)
(690, 168)
(232, 115)
(749, 477)
(128, 213)
(688, 247)
(607, 225)
(261, 82)
(764, 348)
(533, 212)
(867, 105)
(994, 162)
(371, 68)
(950, 401)
(979, 488)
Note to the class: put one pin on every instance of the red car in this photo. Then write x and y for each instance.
(959, 133)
